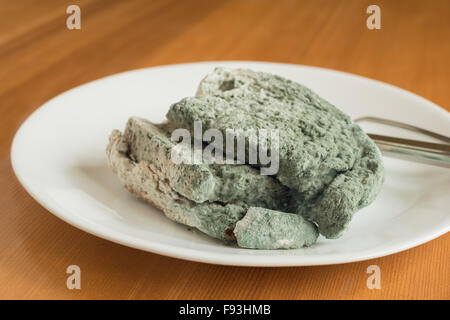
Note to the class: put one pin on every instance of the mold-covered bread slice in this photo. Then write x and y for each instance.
(150, 183)
(332, 165)
(267, 229)
(202, 182)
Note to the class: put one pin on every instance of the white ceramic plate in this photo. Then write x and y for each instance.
(59, 157)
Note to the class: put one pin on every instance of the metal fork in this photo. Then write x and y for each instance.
(437, 154)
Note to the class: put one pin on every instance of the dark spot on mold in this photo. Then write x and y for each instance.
(227, 85)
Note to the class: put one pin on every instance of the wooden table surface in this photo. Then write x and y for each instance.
(40, 58)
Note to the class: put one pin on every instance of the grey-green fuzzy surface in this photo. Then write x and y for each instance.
(333, 167)
(202, 182)
(148, 180)
(267, 229)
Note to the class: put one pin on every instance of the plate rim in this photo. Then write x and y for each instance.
(212, 257)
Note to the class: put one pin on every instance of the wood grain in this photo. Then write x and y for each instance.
(40, 58)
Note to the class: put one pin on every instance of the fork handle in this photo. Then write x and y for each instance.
(413, 150)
